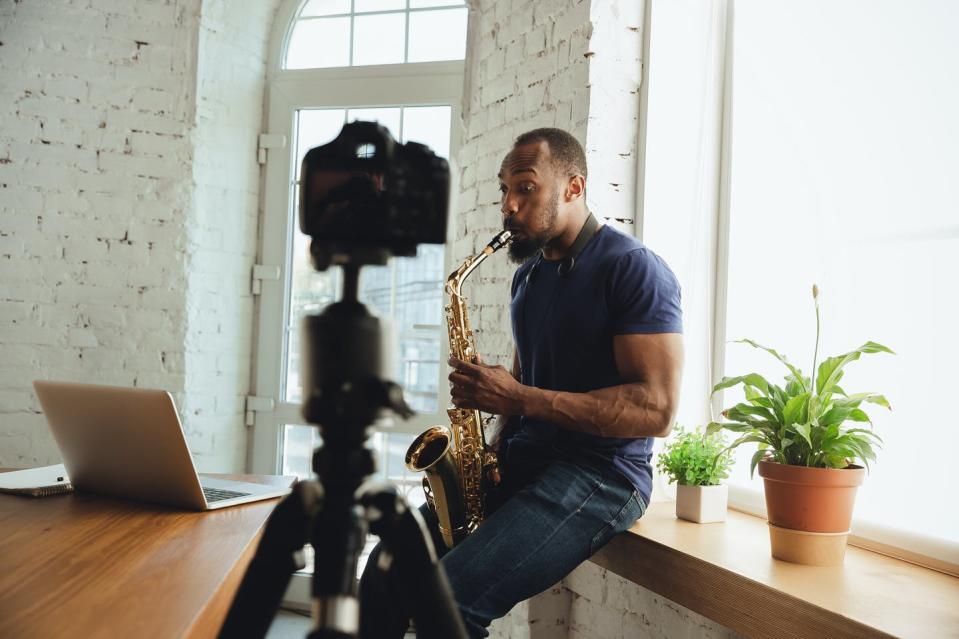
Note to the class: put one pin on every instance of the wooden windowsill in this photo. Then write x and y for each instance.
(724, 571)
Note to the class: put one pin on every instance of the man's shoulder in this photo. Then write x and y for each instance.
(621, 253)
(613, 244)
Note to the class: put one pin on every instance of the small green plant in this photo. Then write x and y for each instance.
(802, 424)
(695, 458)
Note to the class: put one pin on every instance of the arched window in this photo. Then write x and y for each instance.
(342, 33)
(400, 63)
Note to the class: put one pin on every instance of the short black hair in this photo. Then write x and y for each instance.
(566, 151)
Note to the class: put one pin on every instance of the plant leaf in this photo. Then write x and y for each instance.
(804, 430)
(752, 379)
(830, 371)
(757, 457)
(797, 374)
(795, 409)
(837, 415)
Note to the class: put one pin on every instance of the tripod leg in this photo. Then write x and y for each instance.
(403, 532)
(338, 536)
(277, 557)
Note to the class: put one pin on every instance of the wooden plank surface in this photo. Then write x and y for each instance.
(724, 571)
(81, 565)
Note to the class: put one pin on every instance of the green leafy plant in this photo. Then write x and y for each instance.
(803, 422)
(695, 458)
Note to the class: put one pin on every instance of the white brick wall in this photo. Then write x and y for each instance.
(603, 605)
(222, 232)
(128, 202)
(77, 196)
(593, 603)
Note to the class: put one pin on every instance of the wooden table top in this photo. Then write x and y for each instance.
(82, 565)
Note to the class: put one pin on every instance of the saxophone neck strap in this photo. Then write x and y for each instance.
(589, 228)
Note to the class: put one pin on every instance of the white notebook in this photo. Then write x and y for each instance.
(36, 482)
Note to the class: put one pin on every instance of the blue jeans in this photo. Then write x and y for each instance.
(545, 527)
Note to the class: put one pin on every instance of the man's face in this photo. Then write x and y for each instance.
(530, 199)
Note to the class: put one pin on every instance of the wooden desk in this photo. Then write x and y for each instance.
(81, 565)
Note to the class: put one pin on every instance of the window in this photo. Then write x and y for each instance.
(796, 143)
(845, 178)
(326, 70)
(340, 33)
(313, 91)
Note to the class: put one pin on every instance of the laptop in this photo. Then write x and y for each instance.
(129, 442)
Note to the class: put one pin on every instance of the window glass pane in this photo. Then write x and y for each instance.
(379, 39)
(316, 127)
(418, 315)
(311, 291)
(325, 8)
(437, 35)
(299, 442)
(418, 4)
(390, 449)
(429, 126)
(364, 6)
(844, 178)
(408, 291)
(388, 117)
(322, 42)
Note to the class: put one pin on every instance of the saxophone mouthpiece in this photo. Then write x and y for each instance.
(499, 241)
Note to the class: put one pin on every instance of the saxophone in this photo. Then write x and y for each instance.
(459, 468)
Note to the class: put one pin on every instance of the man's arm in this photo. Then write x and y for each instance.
(505, 424)
(642, 407)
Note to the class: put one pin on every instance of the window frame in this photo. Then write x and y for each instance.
(288, 90)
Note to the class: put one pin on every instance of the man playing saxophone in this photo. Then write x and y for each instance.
(596, 372)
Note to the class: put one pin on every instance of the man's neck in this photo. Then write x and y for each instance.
(559, 247)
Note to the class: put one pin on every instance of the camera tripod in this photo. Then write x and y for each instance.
(345, 391)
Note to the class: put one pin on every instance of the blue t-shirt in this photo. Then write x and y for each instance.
(563, 328)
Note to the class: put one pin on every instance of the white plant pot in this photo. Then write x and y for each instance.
(701, 504)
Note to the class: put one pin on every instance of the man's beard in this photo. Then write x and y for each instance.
(522, 248)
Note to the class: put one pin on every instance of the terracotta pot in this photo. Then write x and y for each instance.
(810, 499)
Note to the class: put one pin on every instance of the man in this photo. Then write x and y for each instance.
(596, 374)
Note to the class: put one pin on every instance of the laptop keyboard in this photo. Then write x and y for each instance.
(218, 494)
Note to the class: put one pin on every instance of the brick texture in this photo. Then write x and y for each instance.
(128, 204)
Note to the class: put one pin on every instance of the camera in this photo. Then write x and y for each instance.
(364, 197)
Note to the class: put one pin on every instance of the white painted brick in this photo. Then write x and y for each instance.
(18, 292)
(85, 249)
(19, 199)
(10, 246)
(15, 312)
(17, 334)
(65, 86)
(82, 338)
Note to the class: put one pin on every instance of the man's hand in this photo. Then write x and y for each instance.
(491, 389)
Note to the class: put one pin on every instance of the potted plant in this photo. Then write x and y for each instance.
(696, 462)
(807, 449)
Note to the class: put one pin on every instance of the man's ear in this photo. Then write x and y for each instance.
(575, 188)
